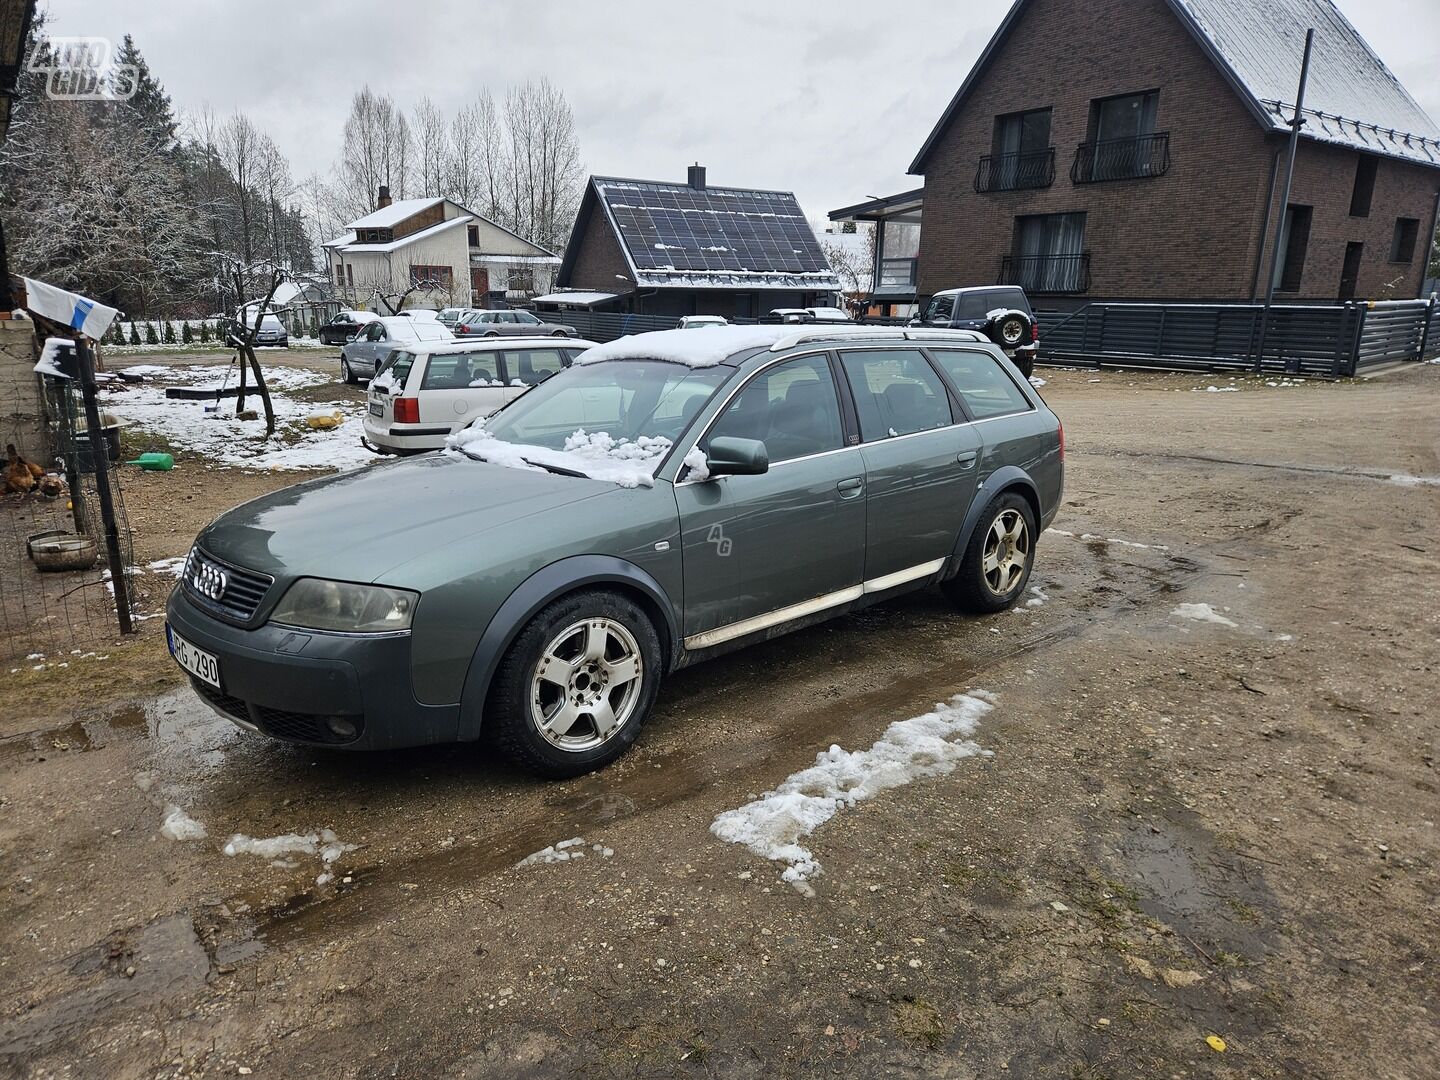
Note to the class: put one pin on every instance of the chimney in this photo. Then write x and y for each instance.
(382, 199)
(695, 176)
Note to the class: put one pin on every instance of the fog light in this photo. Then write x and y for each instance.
(342, 727)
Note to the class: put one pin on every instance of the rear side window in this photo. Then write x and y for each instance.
(460, 371)
(532, 366)
(896, 393)
(973, 305)
(1007, 298)
(984, 386)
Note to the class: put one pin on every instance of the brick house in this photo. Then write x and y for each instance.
(656, 248)
(1133, 149)
(460, 258)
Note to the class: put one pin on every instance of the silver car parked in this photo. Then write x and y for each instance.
(363, 357)
(510, 324)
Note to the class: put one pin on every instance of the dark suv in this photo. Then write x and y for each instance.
(1000, 312)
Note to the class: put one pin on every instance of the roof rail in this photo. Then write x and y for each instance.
(802, 337)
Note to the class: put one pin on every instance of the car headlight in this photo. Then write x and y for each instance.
(316, 604)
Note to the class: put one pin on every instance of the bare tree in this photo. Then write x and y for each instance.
(432, 147)
(378, 147)
(242, 153)
(476, 173)
(544, 169)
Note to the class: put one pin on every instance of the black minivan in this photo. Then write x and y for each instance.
(1000, 312)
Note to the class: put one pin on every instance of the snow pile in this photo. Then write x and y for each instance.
(233, 443)
(175, 566)
(1222, 389)
(923, 746)
(179, 825)
(325, 844)
(693, 350)
(565, 851)
(597, 455)
(1203, 613)
(1038, 597)
(697, 463)
(1036, 381)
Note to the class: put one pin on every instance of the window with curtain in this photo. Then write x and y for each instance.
(1018, 138)
(1048, 252)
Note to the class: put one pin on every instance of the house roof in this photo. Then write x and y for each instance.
(677, 236)
(388, 217)
(886, 206)
(1351, 98)
(352, 248)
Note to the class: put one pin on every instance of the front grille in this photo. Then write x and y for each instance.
(242, 593)
(278, 723)
(230, 706)
(302, 727)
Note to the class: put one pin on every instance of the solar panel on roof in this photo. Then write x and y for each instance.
(713, 230)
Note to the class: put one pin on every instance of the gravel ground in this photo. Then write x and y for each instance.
(1193, 847)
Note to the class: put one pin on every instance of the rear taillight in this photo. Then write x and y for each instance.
(461, 328)
(1062, 442)
(407, 410)
(1034, 331)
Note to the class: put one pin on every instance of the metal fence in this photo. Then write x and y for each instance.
(1316, 340)
(58, 530)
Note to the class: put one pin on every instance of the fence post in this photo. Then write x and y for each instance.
(99, 452)
(1356, 334)
(1425, 327)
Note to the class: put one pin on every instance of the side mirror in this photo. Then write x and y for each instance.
(914, 322)
(737, 457)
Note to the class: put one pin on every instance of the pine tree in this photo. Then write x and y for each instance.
(186, 337)
(168, 334)
(151, 338)
(148, 108)
(204, 330)
(134, 334)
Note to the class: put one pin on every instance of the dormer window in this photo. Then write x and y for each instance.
(374, 236)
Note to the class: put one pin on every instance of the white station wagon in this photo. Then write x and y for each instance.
(430, 389)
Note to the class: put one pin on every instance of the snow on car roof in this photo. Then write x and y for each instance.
(402, 326)
(491, 344)
(694, 350)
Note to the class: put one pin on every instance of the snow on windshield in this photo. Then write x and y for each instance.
(595, 454)
(694, 350)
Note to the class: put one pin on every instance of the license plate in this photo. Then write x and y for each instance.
(198, 662)
(376, 409)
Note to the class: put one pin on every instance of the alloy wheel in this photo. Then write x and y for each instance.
(1007, 551)
(586, 684)
(1012, 332)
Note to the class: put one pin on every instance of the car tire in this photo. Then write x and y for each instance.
(997, 561)
(1025, 361)
(346, 375)
(1010, 331)
(491, 333)
(564, 637)
(559, 333)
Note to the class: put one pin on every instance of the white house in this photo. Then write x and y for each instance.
(433, 252)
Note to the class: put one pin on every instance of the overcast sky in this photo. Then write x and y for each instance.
(830, 101)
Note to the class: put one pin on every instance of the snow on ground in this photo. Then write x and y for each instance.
(565, 851)
(324, 844)
(174, 566)
(595, 454)
(1203, 613)
(178, 825)
(1038, 596)
(227, 441)
(1094, 537)
(923, 746)
(1036, 381)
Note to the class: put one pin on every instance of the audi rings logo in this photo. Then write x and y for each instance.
(209, 580)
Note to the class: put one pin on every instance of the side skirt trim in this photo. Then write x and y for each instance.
(757, 623)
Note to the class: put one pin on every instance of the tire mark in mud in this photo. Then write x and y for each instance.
(1402, 480)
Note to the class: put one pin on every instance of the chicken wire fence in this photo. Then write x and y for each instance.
(58, 598)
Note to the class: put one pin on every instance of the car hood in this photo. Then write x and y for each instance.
(354, 526)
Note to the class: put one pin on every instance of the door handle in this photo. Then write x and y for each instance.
(850, 488)
(966, 459)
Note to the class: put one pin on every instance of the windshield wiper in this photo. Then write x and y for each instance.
(560, 469)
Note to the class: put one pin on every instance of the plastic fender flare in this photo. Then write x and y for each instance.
(529, 597)
(1007, 476)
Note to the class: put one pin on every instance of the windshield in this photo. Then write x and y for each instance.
(940, 308)
(626, 400)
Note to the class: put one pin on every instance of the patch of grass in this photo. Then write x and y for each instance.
(1225, 959)
(1243, 911)
(696, 1050)
(919, 1021)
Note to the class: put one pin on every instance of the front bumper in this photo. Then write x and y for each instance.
(287, 683)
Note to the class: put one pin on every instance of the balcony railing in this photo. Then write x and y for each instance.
(1047, 273)
(897, 273)
(1122, 159)
(1013, 172)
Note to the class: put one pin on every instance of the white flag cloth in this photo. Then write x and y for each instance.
(90, 317)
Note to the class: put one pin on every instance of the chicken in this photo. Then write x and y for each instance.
(51, 486)
(18, 477)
